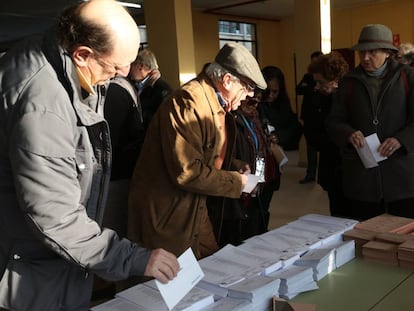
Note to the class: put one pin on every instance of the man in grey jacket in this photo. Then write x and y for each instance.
(54, 164)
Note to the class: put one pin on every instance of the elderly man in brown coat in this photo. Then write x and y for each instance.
(187, 156)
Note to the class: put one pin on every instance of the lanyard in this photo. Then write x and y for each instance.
(251, 129)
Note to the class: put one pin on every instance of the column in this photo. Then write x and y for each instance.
(307, 39)
(170, 37)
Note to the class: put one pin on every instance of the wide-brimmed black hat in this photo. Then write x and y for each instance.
(375, 36)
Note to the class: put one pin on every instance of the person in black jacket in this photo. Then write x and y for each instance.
(249, 215)
(309, 116)
(327, 70)
(276, 112)
(152, 90)
(129, 106)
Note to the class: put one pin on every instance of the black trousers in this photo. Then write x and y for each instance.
(361, 210)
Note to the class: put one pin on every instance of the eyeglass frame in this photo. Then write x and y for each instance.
(250, 87)
(104, 63)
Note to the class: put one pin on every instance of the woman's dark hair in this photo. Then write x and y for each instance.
(273, 72)
(316, 54)
(74, 31)
(331, 66)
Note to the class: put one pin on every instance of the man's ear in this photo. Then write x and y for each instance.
(227, 81)
(81, 55)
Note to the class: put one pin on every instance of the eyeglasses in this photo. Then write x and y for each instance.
(116, 67)
(253, 101)
(249, 86)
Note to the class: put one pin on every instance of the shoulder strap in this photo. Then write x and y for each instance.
(405, 82)
(128, 86)
(123, 82)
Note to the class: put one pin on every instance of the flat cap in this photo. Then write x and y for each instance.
(238, 60)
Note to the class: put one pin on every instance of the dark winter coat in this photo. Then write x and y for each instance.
(391, 116)
(54, 172)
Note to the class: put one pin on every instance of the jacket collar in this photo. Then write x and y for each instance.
(66, 72)
(208, 88)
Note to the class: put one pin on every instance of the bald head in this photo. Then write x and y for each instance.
(122, 29)
(102, 25)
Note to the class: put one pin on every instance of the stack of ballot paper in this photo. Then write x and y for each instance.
(406, 254)
(294, 280)
(299, 241)
(220, 273)
(381, 252)
(259, 264)
(325, 232)
(258, 290)
(385, 223)
(258, 246)
(282, 243)
(345, 223)
(118, 304)
(229, 304)
(306, 239)
(178, 294)
(391, 237)
(321, 260)
(246, 276)
(271, 248)
(344, 252)
(146, 296)
(360, 237)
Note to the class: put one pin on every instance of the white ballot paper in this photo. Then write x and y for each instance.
(252, 181)
(369, 152)
(189, 275)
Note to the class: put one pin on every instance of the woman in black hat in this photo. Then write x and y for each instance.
(376, 98)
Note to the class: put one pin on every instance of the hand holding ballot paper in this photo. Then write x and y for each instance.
(371, 150)
(369, 153)
(189, 275)
(252, 182)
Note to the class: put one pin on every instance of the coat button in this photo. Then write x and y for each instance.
(82, 166)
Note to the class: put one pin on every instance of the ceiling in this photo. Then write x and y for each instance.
(21, 17)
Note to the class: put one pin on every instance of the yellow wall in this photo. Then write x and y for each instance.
(207, 42)
(276, 40)
(396, 14)
(274, 48)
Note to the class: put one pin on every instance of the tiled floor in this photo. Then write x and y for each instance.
(293, 200)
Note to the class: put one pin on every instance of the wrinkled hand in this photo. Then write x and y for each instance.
(357, 139)
(154, 76)
(389, 146)
(245, 171)
(162, 265)
(273, 138)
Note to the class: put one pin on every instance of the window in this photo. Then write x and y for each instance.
(143, 34)
(243, 33)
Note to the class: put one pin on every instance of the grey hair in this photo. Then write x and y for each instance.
(147, 58)
(216, 72)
